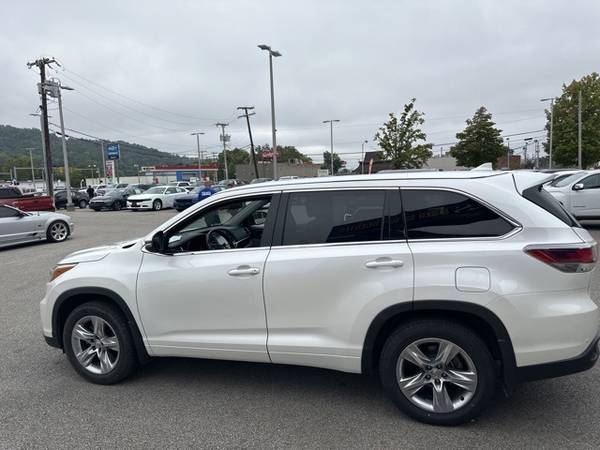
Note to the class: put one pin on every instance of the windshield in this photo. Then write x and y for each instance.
(155, 190)
(566, 180)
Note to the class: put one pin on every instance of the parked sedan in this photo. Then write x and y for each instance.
(156, 198)
(18, 227)
(79, 198)
(579, 193)
(114, 199)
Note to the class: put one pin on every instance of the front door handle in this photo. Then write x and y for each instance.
(383, 262)
(244, 270)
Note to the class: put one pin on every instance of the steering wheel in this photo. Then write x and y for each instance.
(219, 239)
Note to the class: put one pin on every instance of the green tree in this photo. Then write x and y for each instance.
(564, 144)
(284, 154)
(235, 156)
(480, 142)
(403, 141)
(337, 162)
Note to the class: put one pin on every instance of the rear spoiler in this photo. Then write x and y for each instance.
(525, 179)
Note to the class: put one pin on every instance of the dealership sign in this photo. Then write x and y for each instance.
(113, 151)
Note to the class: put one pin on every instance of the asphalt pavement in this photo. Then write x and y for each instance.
(183, 403)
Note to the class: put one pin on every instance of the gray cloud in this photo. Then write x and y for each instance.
(351, 60)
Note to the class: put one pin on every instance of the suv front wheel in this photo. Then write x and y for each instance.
(98, 343)
(438, 372)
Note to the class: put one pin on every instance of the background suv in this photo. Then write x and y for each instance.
(442, 283)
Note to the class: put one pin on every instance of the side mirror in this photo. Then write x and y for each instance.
(158, 242)
(578, 187)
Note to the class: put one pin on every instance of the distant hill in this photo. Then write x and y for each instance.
(82, 152)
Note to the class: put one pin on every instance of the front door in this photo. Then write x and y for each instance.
(333, 269)
(203, 297)
(586, 201)
(16, 227)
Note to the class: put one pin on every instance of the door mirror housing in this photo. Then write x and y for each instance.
(578, 186)
(158, 242)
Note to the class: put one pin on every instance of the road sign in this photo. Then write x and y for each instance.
(113, 151)
(110, 169)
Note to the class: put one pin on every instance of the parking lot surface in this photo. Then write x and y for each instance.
(217, 404)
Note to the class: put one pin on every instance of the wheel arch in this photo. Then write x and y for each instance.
(480, 319)
(69, 300)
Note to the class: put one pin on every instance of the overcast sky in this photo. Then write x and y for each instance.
(191, 63)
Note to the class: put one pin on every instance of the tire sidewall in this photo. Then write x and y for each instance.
(157, 205)
(82, 204)
(127, 356)
(457, 334)
(49, 234)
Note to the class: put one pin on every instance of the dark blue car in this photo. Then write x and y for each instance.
(186, 201)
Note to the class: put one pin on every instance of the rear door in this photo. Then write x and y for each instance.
(332, 268)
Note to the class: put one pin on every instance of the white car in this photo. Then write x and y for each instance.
(19, 227)
(447, 284)
(156, 198)
(579, 193)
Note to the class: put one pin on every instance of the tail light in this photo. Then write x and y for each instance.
(572, 259)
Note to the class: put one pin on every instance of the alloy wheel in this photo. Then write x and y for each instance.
(59, 231)
(436, 375)
(95, 345)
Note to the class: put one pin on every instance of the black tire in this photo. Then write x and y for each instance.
(82, 204)
(52, 237)
(457, 334)
(127, 360)
(157, 205)
(116, 206)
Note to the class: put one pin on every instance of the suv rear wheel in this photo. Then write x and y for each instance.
(98, 343)
(437, 372)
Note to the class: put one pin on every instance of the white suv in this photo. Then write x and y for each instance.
(442, 283)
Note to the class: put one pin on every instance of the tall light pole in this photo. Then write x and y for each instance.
(44, 173)
(508, 153)
(579, 160)
(273, 129)
(54, 88)
(551, 100)
(362, 161)
(224, 138)
(198, 134)
(32, 170)
(330, 122)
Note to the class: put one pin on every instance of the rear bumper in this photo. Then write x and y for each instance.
(580, 363)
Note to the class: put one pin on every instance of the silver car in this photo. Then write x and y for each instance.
(17, 227)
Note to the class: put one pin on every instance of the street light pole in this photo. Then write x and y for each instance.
(197, 134)
(32, 170)
(362, 161)
(508, 153)
(330, 122)
(224, 139)
(579, 160)
(272, 53)
(551, 129)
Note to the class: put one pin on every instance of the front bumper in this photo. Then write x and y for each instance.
(140, 205)
(555, 369)
(100, 205)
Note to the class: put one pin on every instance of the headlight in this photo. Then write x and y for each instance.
(59, 270)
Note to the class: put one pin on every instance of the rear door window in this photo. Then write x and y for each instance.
(334, 216)
(440, 214)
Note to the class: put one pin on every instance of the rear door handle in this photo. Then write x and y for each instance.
(244, 270)
(383, 262)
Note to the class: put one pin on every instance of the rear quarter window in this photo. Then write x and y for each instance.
(545, 200)
(440, 214)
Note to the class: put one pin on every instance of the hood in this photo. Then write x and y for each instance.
(96, 253)
(141, 196)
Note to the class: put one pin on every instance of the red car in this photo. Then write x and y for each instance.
(12, 196)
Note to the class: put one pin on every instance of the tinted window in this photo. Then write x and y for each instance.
(545, 200)
(591, 182)
(333, 216)
(8, 212)
(171, 190)
(9, 193)
(442, 214)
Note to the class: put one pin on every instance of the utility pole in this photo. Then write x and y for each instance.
(537, 153)
(330, 122)
(579, 160)
(508, 153)
(551, 129)
(224, 138)
(32, 170)
(197, 134)
(54, 88)
(41, 64)
(247, 116)
(527, 141)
